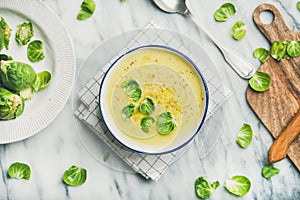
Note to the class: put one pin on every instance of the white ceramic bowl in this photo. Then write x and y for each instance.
(187, 74)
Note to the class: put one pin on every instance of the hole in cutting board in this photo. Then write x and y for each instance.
(266, 17)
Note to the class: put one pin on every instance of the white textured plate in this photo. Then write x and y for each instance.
(45, 105)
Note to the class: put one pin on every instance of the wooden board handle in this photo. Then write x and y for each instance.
(279, 148)
(277, 30)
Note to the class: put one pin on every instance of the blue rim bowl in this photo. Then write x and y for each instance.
(126, 140)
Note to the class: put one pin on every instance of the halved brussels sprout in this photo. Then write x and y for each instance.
(16, 76)
(11, 105)
(24, 33)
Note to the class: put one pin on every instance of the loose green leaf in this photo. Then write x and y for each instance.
(204, 189)
(262, 54)
(244, 137)
(293, 48)
(269, 170)
(238, 185)
(298, 5)
(238, 30)
(165, 123)
(35, 51)
(147, 106)
(19, 171)
(223, 13)
(123, 1)
(6, 33)
(132, 88)
(75, 176)
(87, 9)
(128, 111)
(278, 50)
(146, 122)
(24, 33)
(260, 82)
(42, 80)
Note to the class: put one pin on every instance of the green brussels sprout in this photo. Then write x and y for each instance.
(11, 105)
(5, 34)
(16, 76)
(24, 33)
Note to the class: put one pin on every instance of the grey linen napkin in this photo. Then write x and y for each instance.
(149, 166)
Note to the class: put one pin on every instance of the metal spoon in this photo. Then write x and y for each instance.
(240, 65)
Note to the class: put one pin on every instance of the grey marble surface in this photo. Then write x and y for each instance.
(57, 147)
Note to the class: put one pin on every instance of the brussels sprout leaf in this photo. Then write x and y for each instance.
(260, 82)
(278, 50)
(244, 137)
(204, 189)
(238, 185)
(147, 106)
(298, 5)
(269, 170)
(146, 122)
(19, 171)
(6, 33)
(42, 80)
(238, 30)
(87, 9)
(224, 12)
(75, 176)
(35, 51)
(24, 33)
(262, 54)
(165, 123)
(132, 89)
(293, 48)
(128, 111)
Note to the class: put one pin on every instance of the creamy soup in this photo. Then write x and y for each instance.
(170, 81)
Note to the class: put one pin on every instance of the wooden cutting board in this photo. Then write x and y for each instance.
(277, 106)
